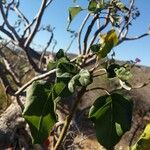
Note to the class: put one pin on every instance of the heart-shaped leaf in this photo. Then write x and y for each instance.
(60, 54)
(112, 115)
(65, 71)
(107, 43)
(73, 11)
(72, 83)
(60, 89)
(85, 77)
(39, 111)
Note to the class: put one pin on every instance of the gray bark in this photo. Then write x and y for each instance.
(13, 129)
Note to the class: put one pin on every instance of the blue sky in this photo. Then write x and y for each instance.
(56, 15)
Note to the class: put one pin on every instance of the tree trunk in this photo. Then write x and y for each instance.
(13, 129)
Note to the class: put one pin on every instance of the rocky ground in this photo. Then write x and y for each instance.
(82, 135)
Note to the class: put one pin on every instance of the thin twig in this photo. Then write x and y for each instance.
(8, 67)
(98, 31)
(128, 21)
(136, 37)
(14, 33)
(40, 77)
(21, 15)
(99, 88)
(45, 49)
(37, 23)
(89, 29)
(80, 31)
(68, 119)
(70, 44)
(11, 72)
(6, 32)
(104, 72)
(3, 75)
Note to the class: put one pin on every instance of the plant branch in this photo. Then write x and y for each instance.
(80, 31)
(14, 33)
(37, 23)
(71, 42)
(48, 2)
(69, 119)
(31, 61)
(99, 70)
(6, 32)
(99, 88)
(89, 29)
(47, 46)
(98, 31)
(21, 15)
(40, 77)
(3, 75)
(136, 37)
(8, 67)
(127, 21)
(11, 72)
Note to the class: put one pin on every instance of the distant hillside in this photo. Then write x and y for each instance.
(140, 97)
(21, 66)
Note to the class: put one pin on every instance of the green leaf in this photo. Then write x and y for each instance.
(62, 72)
(92, 6)
(60, 89)
(67, 73)
(79, 60)
(72, 83)
(95, 48)
(67, 68)
(103, 5)
(111, 70)
(112, 115)
(51, 65)
(121, 7)
(108, 42)
(144, 141)
(73, 11)
(119, 130)
(62, 60)
(63, 75)
(123, 73)
(85, 77)
(60, 54)
(39, 111)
